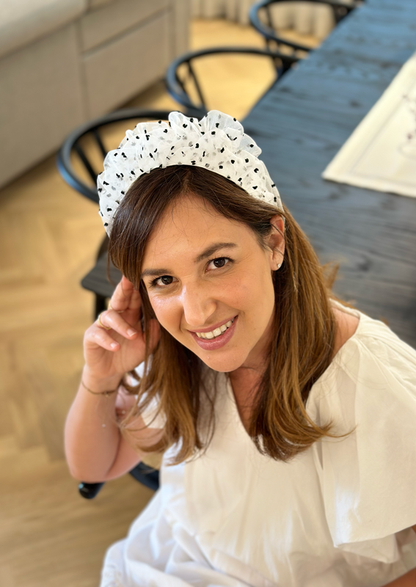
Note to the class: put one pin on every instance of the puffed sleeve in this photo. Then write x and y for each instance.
(368, 479)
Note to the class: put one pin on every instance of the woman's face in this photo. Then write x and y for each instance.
(210, 284)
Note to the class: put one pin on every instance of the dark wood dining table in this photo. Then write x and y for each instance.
(303, 121)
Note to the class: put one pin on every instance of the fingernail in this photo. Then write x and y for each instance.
(114, 345)
(131, 332)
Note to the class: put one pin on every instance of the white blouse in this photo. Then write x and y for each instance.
(337, 515)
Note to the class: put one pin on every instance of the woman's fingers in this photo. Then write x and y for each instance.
(104, 338)
(135, 300)
(125, 297)
(112, 319)
(101, 337)
(110, 322)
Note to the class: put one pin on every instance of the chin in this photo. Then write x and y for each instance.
(222, 364)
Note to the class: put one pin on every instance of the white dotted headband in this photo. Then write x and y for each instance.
(217, 142)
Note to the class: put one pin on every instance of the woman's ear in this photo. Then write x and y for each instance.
(276, 242)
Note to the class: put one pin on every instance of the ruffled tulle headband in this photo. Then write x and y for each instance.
(217, 142)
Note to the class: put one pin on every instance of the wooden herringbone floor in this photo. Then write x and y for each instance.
(49, 536)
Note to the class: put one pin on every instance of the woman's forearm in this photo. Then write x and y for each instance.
(92, 435)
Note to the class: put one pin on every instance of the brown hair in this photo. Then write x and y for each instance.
(303, 327)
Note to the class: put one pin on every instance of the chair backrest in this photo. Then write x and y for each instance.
(310, 17)
(183, 83)
(80, 157)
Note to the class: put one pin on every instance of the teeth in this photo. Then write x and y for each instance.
(216, 332)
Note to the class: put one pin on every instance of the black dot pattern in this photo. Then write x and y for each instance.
(217, 142)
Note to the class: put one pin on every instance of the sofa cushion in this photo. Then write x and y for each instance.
(99, 26)
(97, 3)
(23, 21)
(129, 64)
(41, 101)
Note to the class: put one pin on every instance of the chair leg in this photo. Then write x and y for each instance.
(146, 476)
(100, 305)
(101, 301)
(89, 490)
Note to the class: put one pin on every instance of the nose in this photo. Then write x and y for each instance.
(198, 304)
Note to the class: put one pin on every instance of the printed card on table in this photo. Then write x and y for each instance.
(381, 152)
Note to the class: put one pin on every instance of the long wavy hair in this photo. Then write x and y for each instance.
(303, 329)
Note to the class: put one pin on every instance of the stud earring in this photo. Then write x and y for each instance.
(279, 265)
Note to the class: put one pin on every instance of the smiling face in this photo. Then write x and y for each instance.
(210, 284)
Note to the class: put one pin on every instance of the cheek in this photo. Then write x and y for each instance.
(254, 290)
(259, 298)
(164, 309)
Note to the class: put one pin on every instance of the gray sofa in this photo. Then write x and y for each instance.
(63, 62)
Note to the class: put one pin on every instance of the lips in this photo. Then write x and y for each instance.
(215, 332)
(217, 341)
(213, 327)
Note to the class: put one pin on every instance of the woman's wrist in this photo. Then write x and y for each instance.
(99, 385)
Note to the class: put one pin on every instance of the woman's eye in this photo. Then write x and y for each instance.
(219, 262)
(162, 281)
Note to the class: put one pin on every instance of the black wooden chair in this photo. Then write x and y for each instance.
(183, 83)
(79, 161)
(262, 20)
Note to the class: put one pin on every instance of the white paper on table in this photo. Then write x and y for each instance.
(381, 152)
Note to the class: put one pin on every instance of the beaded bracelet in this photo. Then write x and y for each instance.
(106, 393)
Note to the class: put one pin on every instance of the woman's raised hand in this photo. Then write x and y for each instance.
(115, 344)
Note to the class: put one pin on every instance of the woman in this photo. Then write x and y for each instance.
(287, 419)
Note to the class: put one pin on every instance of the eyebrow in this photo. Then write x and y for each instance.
(206, 253)
(213, 249)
